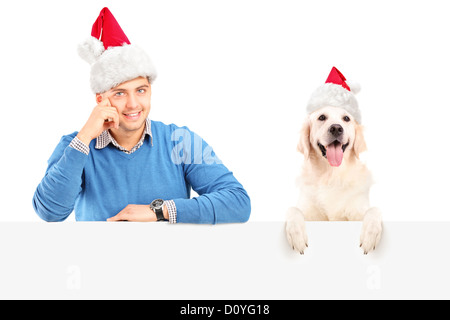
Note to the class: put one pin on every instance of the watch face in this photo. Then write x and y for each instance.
(157, 203)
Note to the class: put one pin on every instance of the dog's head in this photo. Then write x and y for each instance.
(331, 134)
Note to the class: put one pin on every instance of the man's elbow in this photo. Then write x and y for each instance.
(245, 208)
(46, 214)
(245, 216)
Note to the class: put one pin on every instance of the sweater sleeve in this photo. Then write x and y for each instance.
(55, 196)
(222, 199)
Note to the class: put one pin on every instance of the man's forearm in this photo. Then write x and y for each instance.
(224, 206)
(55, 196)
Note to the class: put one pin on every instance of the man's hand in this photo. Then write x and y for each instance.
(137, 213)
(103, 117)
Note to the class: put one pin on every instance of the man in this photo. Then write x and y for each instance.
(122, 166)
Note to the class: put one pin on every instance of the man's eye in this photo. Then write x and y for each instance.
(346, 119)
(322, 117)
(141, 91)
(119, 94)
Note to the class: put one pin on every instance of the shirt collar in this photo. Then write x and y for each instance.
(106, 138)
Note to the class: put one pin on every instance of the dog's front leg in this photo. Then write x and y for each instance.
(295, 229)
(371, 230)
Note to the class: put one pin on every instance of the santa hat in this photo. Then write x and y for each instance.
(336, 92)
(112, 57)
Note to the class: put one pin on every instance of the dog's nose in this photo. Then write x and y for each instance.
(336, 130)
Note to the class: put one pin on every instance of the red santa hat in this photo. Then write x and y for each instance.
(336, 92)
(112, 57)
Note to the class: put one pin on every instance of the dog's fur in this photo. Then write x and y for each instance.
(333, 192)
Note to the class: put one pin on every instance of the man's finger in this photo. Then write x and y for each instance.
(117, 217)
(113, 111)
(110, 114)
(104, 101)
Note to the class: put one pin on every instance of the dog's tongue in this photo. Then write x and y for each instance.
(335, 154)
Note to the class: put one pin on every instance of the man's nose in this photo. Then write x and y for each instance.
(336, 130)
(132, 102)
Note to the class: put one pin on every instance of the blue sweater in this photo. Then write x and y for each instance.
(99, 185)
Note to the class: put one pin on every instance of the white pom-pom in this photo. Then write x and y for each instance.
(354, 87)
(91, 49)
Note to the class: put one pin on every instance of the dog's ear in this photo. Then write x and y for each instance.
(304, 146)
(360, 143)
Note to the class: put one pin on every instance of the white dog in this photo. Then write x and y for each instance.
(334, 184)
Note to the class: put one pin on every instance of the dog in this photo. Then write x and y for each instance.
(334, 183)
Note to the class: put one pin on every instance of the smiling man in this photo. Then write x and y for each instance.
(122, 166)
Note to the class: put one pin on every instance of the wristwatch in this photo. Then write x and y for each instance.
(157, 207)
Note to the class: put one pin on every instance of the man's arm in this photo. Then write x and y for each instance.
(138, 213)
(55, 196)
(222, 199)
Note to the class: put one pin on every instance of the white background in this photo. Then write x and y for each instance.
(239, 73)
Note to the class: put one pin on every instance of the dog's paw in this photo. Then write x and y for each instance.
(371, 230)
(295, 230)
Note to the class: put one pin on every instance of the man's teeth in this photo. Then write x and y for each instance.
(132, 114)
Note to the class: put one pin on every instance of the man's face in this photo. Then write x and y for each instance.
(132, 101)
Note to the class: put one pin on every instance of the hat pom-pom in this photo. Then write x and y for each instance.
(354, 87)
(90, 49)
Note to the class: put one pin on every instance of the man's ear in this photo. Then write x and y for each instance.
(98, 98)
(360, 143)
(304, 146)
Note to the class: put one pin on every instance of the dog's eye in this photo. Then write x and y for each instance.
(322, 117)
(346, 118)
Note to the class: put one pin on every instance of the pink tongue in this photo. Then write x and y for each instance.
(335, 154)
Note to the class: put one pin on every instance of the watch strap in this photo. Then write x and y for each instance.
(159, 214)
